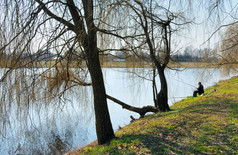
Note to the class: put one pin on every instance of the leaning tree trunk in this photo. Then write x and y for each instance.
(142, 111)
(104, 128)
(162, 97)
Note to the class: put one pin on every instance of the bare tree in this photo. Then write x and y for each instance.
(70, 28)
(153, 27)
(64, 26)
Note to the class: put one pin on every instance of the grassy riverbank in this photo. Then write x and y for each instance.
(201, 125)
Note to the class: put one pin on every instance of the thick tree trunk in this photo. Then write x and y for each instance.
(104, 128)
(162, 97)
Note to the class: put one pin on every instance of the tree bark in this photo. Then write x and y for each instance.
(104, 128)
(162, 97)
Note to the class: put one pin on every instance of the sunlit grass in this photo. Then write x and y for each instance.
(201, 125)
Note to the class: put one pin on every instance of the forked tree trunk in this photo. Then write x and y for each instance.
(162, 96)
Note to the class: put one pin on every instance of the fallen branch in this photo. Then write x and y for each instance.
(142, 111)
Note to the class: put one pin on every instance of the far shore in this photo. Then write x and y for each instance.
(150, 65)
(74, 64)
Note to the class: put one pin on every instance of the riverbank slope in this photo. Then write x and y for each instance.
(201, 125)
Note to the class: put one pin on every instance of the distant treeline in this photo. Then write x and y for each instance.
(191, 58)
(191, 54)
(188, 55)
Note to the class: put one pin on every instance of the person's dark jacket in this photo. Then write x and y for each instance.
(200, 89)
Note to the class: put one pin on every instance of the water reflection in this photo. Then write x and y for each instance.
(57, 128)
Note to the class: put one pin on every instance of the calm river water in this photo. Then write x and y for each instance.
(55, 128)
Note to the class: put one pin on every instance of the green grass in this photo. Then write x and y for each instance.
(201, 125)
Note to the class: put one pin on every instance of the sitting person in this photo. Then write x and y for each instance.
(199, 90)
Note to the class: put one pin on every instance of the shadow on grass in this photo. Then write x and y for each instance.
(203, 128)
(169, 143)
(162, 145)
